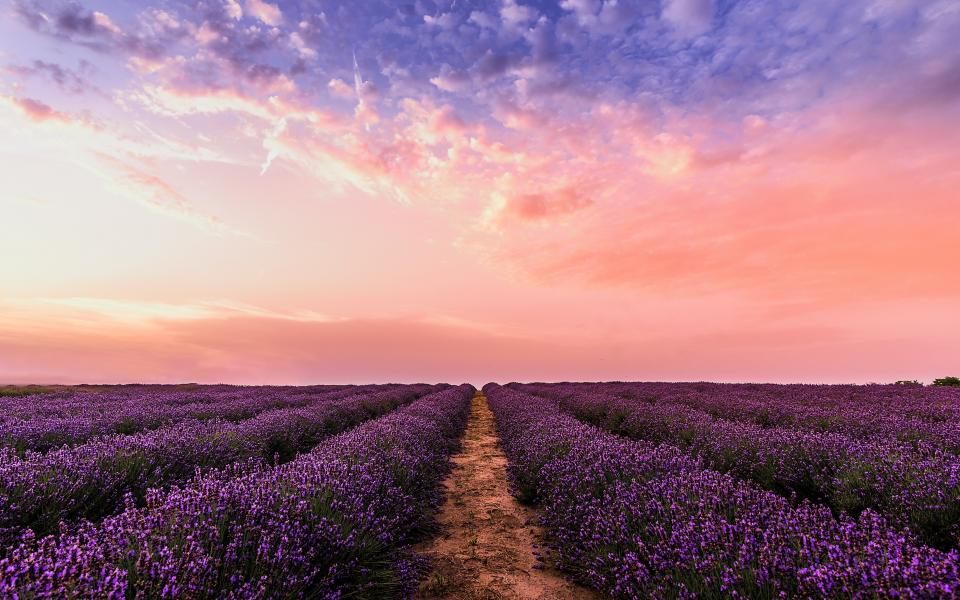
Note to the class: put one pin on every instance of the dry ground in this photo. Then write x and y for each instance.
(485, 547)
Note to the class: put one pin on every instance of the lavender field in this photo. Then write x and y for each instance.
(572, 490)
(222, 491)
(756, 491)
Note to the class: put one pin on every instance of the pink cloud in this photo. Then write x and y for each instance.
(340, 88)
(451, 80)
(158, 195)
(534, 206)
(37, 111)
(818, 214)
(446, 121)
(266, 12)
(233, 9)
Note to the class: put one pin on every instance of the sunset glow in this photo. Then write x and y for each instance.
(261, 191)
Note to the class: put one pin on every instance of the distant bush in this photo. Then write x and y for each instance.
(908, 382)
(947, 381)
(20, 391)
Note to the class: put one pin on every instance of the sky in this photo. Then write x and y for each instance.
(321, 191)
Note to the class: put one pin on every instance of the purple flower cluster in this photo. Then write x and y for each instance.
(39, 491)
(332, 523)
(74, 416)
(638, 520)
(915, 486)
(914, 414)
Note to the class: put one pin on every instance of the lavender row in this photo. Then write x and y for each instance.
(69, 400)
(916, 489)
(635, 520)
(131, 413)
(79, 416)
(807, 402)
(911, 414)
(335, 522)
(91, 481)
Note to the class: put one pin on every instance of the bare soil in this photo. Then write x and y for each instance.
(484, 550)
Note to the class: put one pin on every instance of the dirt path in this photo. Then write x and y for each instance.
(485, 547)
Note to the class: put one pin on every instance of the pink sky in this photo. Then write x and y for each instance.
(268, 192)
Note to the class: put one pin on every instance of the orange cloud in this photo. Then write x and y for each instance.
(856, 204)
(536, 206)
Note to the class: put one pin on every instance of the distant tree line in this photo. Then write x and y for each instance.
(943, 381)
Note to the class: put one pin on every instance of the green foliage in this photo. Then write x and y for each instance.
(947, 381)
(438, 585)
(908, 382)
(18, 391)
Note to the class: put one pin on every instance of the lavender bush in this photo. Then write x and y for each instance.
(915, 486)
(636, 520)
(911, 414)
(72, 417)
(90, 481)
(333, 523)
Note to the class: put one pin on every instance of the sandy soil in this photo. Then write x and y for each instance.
(484, 550)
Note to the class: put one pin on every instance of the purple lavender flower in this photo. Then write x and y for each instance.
(333, 521)
(639, 520)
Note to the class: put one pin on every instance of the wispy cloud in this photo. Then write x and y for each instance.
(158, 195)
(67, 79)
(146, 312)
(36, 110)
